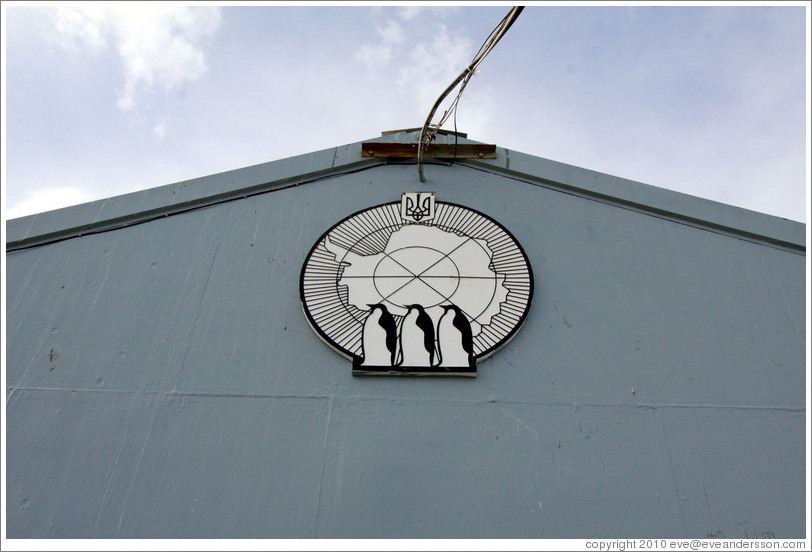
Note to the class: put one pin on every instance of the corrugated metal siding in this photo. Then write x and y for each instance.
(162, 381)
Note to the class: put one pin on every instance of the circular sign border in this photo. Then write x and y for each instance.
(481, 356)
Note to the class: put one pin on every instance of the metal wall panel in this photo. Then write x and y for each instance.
(162, 380)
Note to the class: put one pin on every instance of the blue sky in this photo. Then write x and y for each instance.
(102, 99)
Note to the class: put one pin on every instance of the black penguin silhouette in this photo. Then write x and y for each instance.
(386, 322)
(456, 339)
(425, 326)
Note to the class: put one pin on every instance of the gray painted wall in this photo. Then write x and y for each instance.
(162, 380)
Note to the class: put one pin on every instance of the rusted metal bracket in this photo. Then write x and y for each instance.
(433, 151)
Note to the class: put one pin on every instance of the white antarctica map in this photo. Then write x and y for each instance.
(427, 266)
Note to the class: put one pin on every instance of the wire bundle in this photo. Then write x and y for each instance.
(426, 135)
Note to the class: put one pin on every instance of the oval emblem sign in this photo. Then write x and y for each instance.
(416, 287)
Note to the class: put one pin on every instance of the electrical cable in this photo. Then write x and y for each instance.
(427, 136)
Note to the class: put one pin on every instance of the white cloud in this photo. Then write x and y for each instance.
(419, 47)
(378, 55)
(410, 12)
(414, 60)
(160, 46)
(47, 200)
(433, 65)
(78, 29)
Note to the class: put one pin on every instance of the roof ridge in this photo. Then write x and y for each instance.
(143, 206)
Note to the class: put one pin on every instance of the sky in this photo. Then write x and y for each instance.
(102, 99)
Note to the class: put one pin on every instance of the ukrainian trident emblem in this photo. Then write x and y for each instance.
(417, 206)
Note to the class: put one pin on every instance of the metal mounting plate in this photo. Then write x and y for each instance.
(433, 151)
